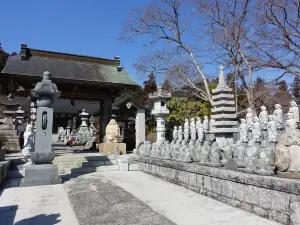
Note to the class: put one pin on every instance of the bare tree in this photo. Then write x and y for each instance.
(277, 36)
(163, 22)
(228, 24)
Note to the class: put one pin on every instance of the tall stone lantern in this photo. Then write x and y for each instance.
(160, 111)
(42, 172)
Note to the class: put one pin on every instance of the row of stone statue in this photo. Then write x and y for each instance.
(268, 126)
(193, 129)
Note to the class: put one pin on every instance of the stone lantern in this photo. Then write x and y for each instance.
(42, 172)
(160, 111)
(19, 120)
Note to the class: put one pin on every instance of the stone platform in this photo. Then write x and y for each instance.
(109, 148)
(271, 197)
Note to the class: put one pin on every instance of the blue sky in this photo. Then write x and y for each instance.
(88, 27)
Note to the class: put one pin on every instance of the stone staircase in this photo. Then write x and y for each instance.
(75, 165)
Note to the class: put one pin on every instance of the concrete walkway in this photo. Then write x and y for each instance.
(39, 205)
(180, 205)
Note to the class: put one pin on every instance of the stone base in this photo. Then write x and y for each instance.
(36, 175)
(213, 164)
(246, 170)
(109, 148)
(290, 175)
(265, 172)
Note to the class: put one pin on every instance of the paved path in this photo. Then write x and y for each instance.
(180, 205)
(39, 205)
(96, 200)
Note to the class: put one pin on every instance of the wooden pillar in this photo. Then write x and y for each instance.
(105, 116)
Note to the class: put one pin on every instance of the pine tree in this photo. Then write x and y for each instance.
(296, 89)
(149, 87)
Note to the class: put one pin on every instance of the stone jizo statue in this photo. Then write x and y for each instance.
(272, 129)
(278, 116)
(28, 141)
(263, 117)
(193, 129)
(112, 131)
(295, 111)
(243, 130)
(215, 154)
(175, 133)
(256, 129)
(180, 133)
(198, 123)
(205, 124)
(290, 123)
(186, 130)
(249, 118)
(205, 152)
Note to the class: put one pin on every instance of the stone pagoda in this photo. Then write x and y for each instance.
(160, 111)
(7, 128)
(224, 111)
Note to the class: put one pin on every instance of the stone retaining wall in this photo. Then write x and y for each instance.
(4, 167)
(270, 197)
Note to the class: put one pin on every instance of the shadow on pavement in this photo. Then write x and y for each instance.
(41, 219)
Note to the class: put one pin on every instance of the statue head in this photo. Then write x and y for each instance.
(277, 106)
(198, 119)
(186, 120)
(206, 117)
(270, 117)
(249, 110)
(256, 119)
(180, 127)
(175, 128)
(263, 108)
(192, 120)
(290, 116)
(293, 104)
(238, 142)
(243, 120)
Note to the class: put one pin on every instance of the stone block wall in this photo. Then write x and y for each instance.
(4, 167)
(274, 198)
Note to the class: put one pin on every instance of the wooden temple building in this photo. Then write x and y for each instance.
(90, 83)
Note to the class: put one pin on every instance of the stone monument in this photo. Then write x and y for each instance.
(112, 134)
(42, 172)
(223, 111)
(160, 111)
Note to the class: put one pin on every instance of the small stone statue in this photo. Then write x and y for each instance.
(60, 136)
(295, 111)
(249, 118)
(167, 154)
(290, 123)
(180, 133)
(278, 115)
(205, 124)
(197, 151)
(263, 117)
(176, 150)
(243, 130)
(256, 130)
(215, 155)
(112, 131)
(211, 124)
(266, 159)
(28, 141)
(240, 154)
(186, 130)
(252, 153)
(205, 152)
(226, 153)
(200, 132)
(272, 129)
(92, 130)
(148, 148)
(193, 129)
(181, 152)
(175, 133)
(198, 123)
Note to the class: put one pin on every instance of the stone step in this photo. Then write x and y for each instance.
(83, 170)
(107, 168)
